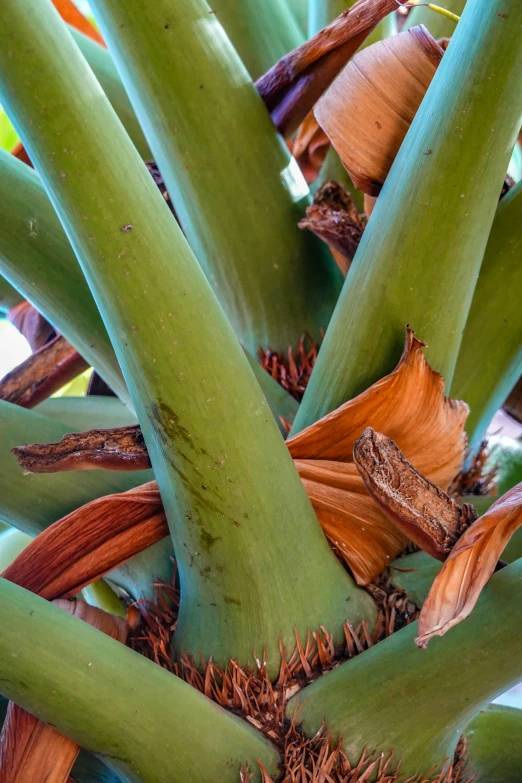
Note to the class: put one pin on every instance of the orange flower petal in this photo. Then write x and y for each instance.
(472, 561)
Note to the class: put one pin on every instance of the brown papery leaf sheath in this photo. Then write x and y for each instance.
(408, 406)
(335, 219)
(91, 541)
(121, 448)
(424, 513)
(473, 560)
(43, 373)
(32, 751)
(309, 147)
(293, 85)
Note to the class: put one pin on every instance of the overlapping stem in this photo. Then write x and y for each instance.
(152, 721)
(408, 270)
(373, 701)
(438, 25)
(236, 189)
(227, 480)
(490, 357)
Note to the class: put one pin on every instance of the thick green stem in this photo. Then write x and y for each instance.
(438, 25)
(261, 33)
(419, 258)
(9, 296)
(87, 413)
(36, 257)
(105, 71)
(299, 9)
(149, 723)
(373, 702)
(237, 191)
(490, 356)
(494, 747)
(32, 501)
(253, 561)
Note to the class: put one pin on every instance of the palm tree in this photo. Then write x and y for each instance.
(246, 553)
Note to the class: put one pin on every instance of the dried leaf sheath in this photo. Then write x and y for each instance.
(121, 448)
(294, 84)
(420, 509)
(457, 587)
(43, 373)
(89, 542)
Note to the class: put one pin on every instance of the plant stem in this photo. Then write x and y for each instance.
(440, 26)
(495, 752)
(490, 357)
(105, 71)
(147, 721)
(87, 413)
(237, 191)
(373, 701)
(408, 270)
(36, 257)
(261, 33)
(228, 482)
(299, 9)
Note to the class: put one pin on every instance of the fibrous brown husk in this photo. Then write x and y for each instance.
(335, 219)
(291, 371)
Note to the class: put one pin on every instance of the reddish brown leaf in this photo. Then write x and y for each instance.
(293, 85)
(473, 560)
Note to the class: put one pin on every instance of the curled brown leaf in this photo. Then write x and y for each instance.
(473, 560)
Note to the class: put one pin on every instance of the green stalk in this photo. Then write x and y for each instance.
(494, 747)
(87, 768)
(105, 71)
(9, 296)
(237, 191)
(228, 483)
(152, 725)
(299, 9)
(261, 33)
(87, 413)
(490, 356)
(373, 702)
(31, 501)
(438, 25)
(36, 257)
(419, 258)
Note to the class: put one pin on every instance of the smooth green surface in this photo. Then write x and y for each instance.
(36, 257)
(138, 575)
(32, 501)
(419, 258)
(100, 594)
(237, 191)
(12, 543)
(419, 701)
(415, 574)
(490, 356)
(279, 401)
(495, 745)
(253, 561)
(87, 413)
(155, 725)
(299, 9)
(9, 296)
(438, 25)
(105, 71)
(261, 32)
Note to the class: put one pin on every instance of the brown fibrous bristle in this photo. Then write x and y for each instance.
(291, 370)
(477, 479)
